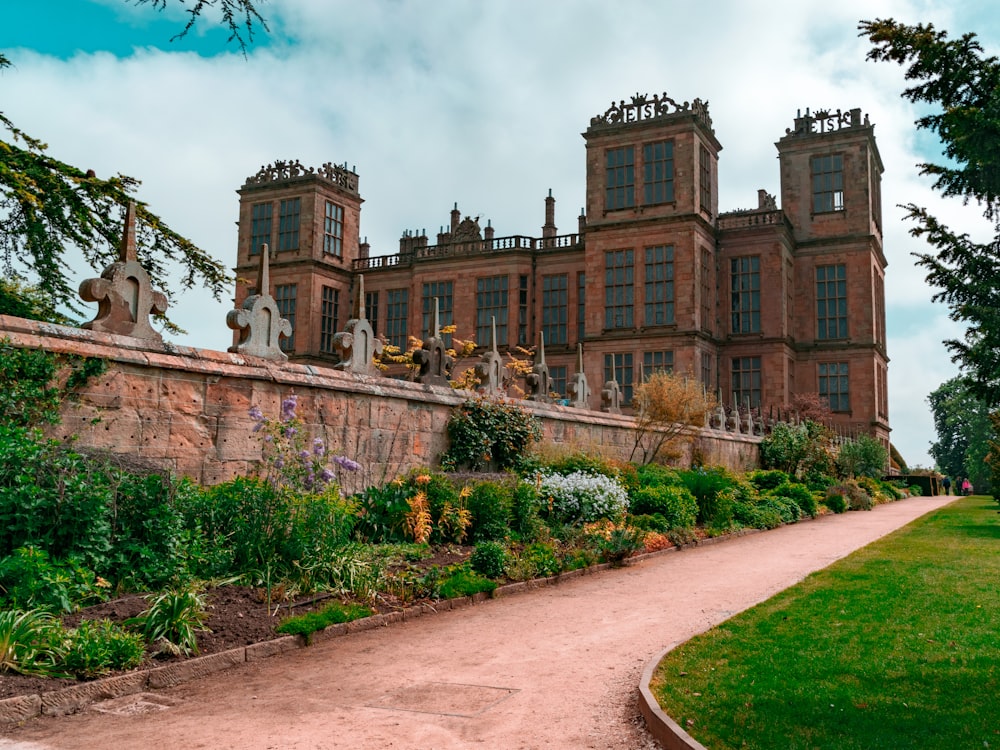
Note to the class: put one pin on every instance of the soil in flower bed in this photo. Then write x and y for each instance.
(237, 616)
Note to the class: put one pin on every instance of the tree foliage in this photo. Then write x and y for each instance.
(963, 433)
(961, 86)
(48, 206)
(666, 407)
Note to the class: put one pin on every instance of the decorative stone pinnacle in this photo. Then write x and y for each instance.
(124, 295)
(433, 358)
(538, 379)
(578, 388)
(489, 369)
(357, 343)
(611, 397)
(259, 320)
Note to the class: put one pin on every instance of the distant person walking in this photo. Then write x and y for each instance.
(947, 485)
(966, 486)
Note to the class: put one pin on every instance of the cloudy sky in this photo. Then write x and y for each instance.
(479, 103)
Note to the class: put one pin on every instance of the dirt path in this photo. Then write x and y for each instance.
(554, 668)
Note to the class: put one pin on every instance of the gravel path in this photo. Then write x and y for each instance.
(556, 667)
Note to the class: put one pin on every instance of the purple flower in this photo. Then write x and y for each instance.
(288, 408)
(303, 455)
(289, 431)
(279, 463)
(345, 463)
(318, 447)
(309, 481)
(268, 438)
(256, 414)
(327, 475)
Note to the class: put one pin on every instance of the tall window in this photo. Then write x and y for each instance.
(557, 379)
(659, 285)
(831, 302)
(658, 172)
(707, 292)
(618, 278)
(555, 298)
(620, 178)
(745, 284)
(491, 302)
(288, 224)
(746, 380)
(333, 230)
(879, 307)
(834, 385)
(619, 367)
(371, 310)
(705, 173)
(329, 319)
(260, 226)
(396, 313)
(284, 296)
(828, 183)
(653, 362)
(522, 310)
(441, 290)
(581, 306)
(706, 370)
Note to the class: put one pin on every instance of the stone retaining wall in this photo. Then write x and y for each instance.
(186, 410)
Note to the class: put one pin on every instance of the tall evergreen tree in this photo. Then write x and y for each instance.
(961, 85)
(963, 433)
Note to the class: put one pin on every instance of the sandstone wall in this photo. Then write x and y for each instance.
(186, 410)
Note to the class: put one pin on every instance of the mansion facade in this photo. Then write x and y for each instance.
(761, 305)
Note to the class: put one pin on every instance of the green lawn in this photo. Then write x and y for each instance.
(893, 647)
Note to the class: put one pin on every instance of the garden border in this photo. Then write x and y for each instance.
(21, 708)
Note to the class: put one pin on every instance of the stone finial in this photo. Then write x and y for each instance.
(611, 397)
(259, 321)
(433, 358)
(578, 388)
(124, 295)
(538, 380)
(357, 343)
(489, 369)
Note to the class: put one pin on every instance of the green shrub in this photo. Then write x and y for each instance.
(915, 490)
(485, 432)
(30, 579)
(308, 623)
(836, 502)
(173, 620)
(581, 463)
(788, 510)
(800, 494)
(857, 498)
(676, 505)
(705, 484)
(619, 544)
(647, 522)
(756, 515)
(488, 502)
(767, 479)
(524, 519)
(381, 512)
(537, 560)
(862, 457)
(657, 474)
(465, 583)
(489, 559)
(97, 647)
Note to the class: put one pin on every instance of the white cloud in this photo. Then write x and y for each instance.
(483, 104)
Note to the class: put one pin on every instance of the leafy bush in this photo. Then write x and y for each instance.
(800, 495)
(676, 505)
(537, 560)
(617, 543)
(706, 484)
(862, 457)
(486, 432)
(30, 579)
(767, 479)
(836, 502)
(856, 498)
(310, 622)
(786, 508)
(756, 515)
(524, 519)
(582, 497)
(488, 502)
(381, 512)
(97, 647)
(173, 620)
(465, 583)
(646, 522)
(489, 559)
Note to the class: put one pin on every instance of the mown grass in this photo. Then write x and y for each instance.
(893, 647)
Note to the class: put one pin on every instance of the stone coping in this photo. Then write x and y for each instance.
(74, 698)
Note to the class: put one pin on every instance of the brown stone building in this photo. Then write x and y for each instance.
(760, 304)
